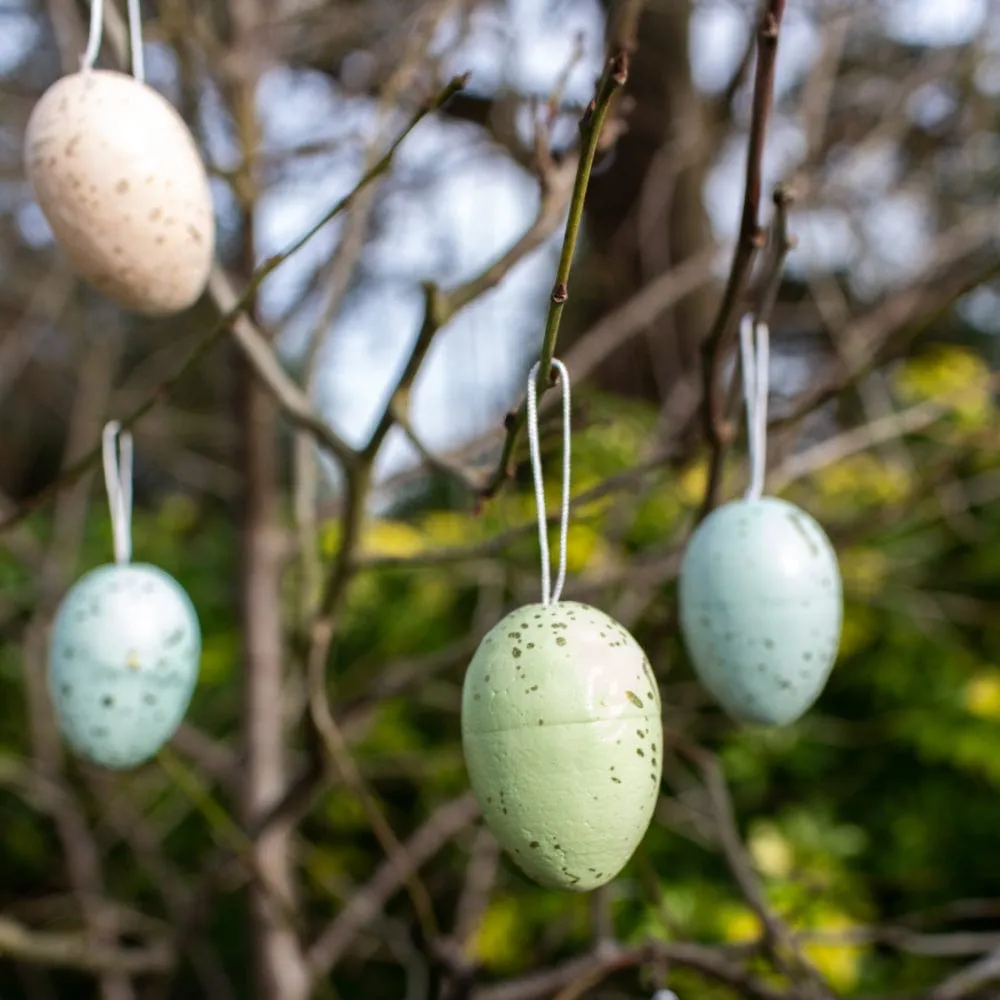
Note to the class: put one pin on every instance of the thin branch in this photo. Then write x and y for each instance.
(271, 373)
(636, 314)
(80, 952)
(367, 903)
(336, 746)
(480, 877)
(891, 427)
(430, 459)
(266, 365)
(709, 962)
(592, 125)
(897, 320)
(125, 817)
(909, 941)
(781, 943)
(748, 242)
(327, 740)
(968, 980)
(781, 243)
(441, 306)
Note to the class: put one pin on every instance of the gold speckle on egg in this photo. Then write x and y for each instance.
(132, 660)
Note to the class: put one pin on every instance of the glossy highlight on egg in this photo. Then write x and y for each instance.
(123, 663)
(562, 735)
(118, 176)
(761, 608)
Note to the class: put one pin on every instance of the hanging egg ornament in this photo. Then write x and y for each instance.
(117, 174)
(562, 736)
(123, 662)
(761, 606)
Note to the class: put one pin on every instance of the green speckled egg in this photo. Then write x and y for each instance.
(761, 606)
(562, 736)
(123, 663)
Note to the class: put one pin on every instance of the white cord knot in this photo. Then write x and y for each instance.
(117, 457)
(550, 595)
(755, 360)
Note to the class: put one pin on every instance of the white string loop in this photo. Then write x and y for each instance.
(89, 59)
(755, 359)
(550, 595)
(94, 37)
(135, 40)
(117, 455)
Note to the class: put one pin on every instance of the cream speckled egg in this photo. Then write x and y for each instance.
(118, 177)
(123, 663)
(761, 605)
(562, 736)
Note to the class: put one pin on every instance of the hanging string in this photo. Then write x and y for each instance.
(117, 455)
(550, 596)
(89, 59)
(135, 40)
(94, 38)
(755, 359)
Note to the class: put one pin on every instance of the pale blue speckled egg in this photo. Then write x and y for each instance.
(123, 663)
(761, 606)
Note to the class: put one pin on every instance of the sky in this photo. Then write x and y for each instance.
(477, 203)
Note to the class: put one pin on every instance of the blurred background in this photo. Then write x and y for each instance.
(871, 825)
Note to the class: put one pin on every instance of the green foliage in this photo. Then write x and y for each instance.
(880, 802)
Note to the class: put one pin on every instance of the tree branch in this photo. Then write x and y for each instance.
(710, 962)
(368, 902)
(780, 941)
(750, 239)
(592, 125)
(440, 306)
(80, 952)
(267, 367)
(968, 980)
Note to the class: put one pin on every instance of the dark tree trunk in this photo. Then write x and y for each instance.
(645, 212)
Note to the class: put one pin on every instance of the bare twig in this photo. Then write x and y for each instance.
(79, 952)
(592, 125)
(480, 877)
(269, 370)
(340, 271)
(968, 980)
(266, 365)
(364, 905)
(709, 962)
(440, 306)
(894, 322)
(748, 242)
(781, 243)
(125, 817)
(636, 314)
(787, 956)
